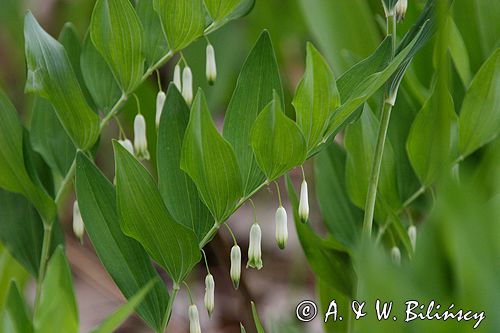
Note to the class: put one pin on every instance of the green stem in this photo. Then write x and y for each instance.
(113, 111)
(157, 65)
(211, 233)
(44, 258)
(232, 235)
(391, 30)
(414, 197)
(68, 179)
(371, 196)
(279, 194)
(189, 292)
(405, 205)
(206, 261)
(168, 312)
(116, 108)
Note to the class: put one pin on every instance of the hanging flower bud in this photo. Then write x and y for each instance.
(211, 67)
(412, 234)
(281, 227)
(235, 271)
(209, 294)
(187, 87)
(160, 102)
(304, 202)
(127, 144)
(194, 319)
(401, 7)
(396, 255)
(140, 140)
(177, 77)
(78, 226)
(254, 250)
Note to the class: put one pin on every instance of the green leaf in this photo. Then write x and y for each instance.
(316, 98)
(13, 174)
(256, 319)
(219, 9)
(183, 21)
(360, 140)
(176, 187)
(15, 317)
(210, 161)
(418, 35)
(155, 41)
(258, 79)
(479, 25)
(144, 217)
(98, 77)
(342, 25)
(367, 87)
(458, 52)
(326, 294)
(329, 261)
(402, 116)
(243, 8)
(277, 141)
(116, 32)
(57, 310)
(429, 141)
(479, 119)
(376, 62)
(341, 217)
(49, 138)
(71, 42)
(124, 259)
(118, 317)
(10, 270)
(37, 169)
(16, 217)
(51, 76)
(242, 328)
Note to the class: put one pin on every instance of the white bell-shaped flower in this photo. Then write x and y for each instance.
(235, 271)
(412, 234)
(211, 66)
(304, 202)
(281, 227)
(194, 319)
(254, 248)
(140, 140)
(396, 255)
(187, 85)
(209, 294)
(401, 7)
(177, 77)
(127, 144)
(78, 226)
(160, 102)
